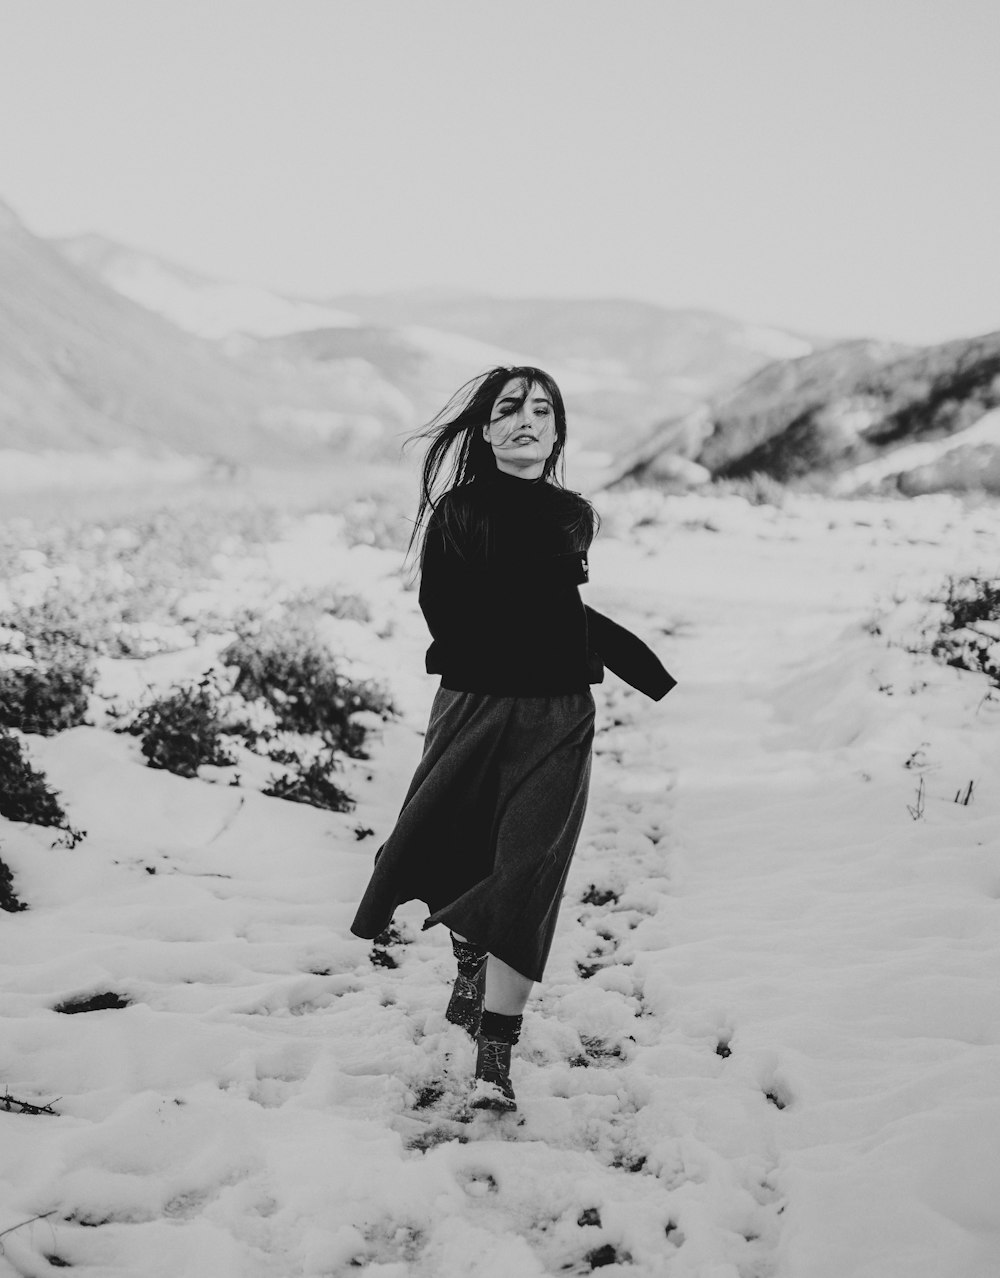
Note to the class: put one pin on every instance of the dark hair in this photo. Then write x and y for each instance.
(457, 430)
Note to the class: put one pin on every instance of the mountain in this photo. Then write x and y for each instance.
(82, 367)
(104, 346)
(623, 366)
(85, 369)
(767, 403)
(853, 422)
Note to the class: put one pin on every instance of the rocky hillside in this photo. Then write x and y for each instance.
(934, 396)
(765, 405)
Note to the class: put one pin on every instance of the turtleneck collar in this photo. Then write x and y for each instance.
(514, 484)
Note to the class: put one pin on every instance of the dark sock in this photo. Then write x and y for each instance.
(468, 956)
(504, 1029)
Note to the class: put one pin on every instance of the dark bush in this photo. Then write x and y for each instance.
(25, 795)
(968, 637)
(182, 730)
(970, 600)
(288, 667)
(8, 897)
(51, 694)
(310, 783)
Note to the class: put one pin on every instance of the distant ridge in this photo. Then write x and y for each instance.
(104, 346)
(623, 365)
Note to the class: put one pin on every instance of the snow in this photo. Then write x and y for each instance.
(455, 346)
(217, 308)
(774, 342)
(577, 375)
(783, 1064)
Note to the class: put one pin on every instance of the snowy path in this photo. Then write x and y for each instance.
(767, 1043)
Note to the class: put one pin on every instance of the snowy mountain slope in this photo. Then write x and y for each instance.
(821, 416)
(82, 367)
(769, 401)
(677, 356)
(425, 367)
(624, 366)
(767, 1039)
(193, 301)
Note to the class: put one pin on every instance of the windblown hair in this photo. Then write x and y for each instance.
(458, 457)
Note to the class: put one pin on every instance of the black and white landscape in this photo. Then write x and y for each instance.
(767, 1044)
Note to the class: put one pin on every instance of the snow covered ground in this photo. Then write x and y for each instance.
(768, 1042)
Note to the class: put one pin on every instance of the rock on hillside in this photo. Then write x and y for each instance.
(835, 419)
(769, 401)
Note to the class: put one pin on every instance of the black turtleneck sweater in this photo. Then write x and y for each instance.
(510, 622)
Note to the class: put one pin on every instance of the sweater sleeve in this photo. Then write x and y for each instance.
(627, 655)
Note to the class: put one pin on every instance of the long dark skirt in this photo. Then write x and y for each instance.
(490, 822)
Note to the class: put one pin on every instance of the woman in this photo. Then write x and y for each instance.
(493, 813)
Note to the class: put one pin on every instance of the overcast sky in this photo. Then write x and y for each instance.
(823, 165)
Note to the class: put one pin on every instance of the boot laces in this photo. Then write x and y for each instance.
(494, 1065)
(465, 988)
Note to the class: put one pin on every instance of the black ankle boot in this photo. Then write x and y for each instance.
(492, 1088)
(466, 1003)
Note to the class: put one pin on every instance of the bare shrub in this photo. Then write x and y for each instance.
(969, 636)
(9, 900)
(286, 665)
(309, 781)
(25, 794)
(182, 730)
(50, 694)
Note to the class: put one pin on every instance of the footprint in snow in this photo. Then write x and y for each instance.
(387, 947)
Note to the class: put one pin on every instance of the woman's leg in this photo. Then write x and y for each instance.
(500, 1028)
(506, 989)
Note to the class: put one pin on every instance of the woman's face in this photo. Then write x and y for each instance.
(522, 429)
